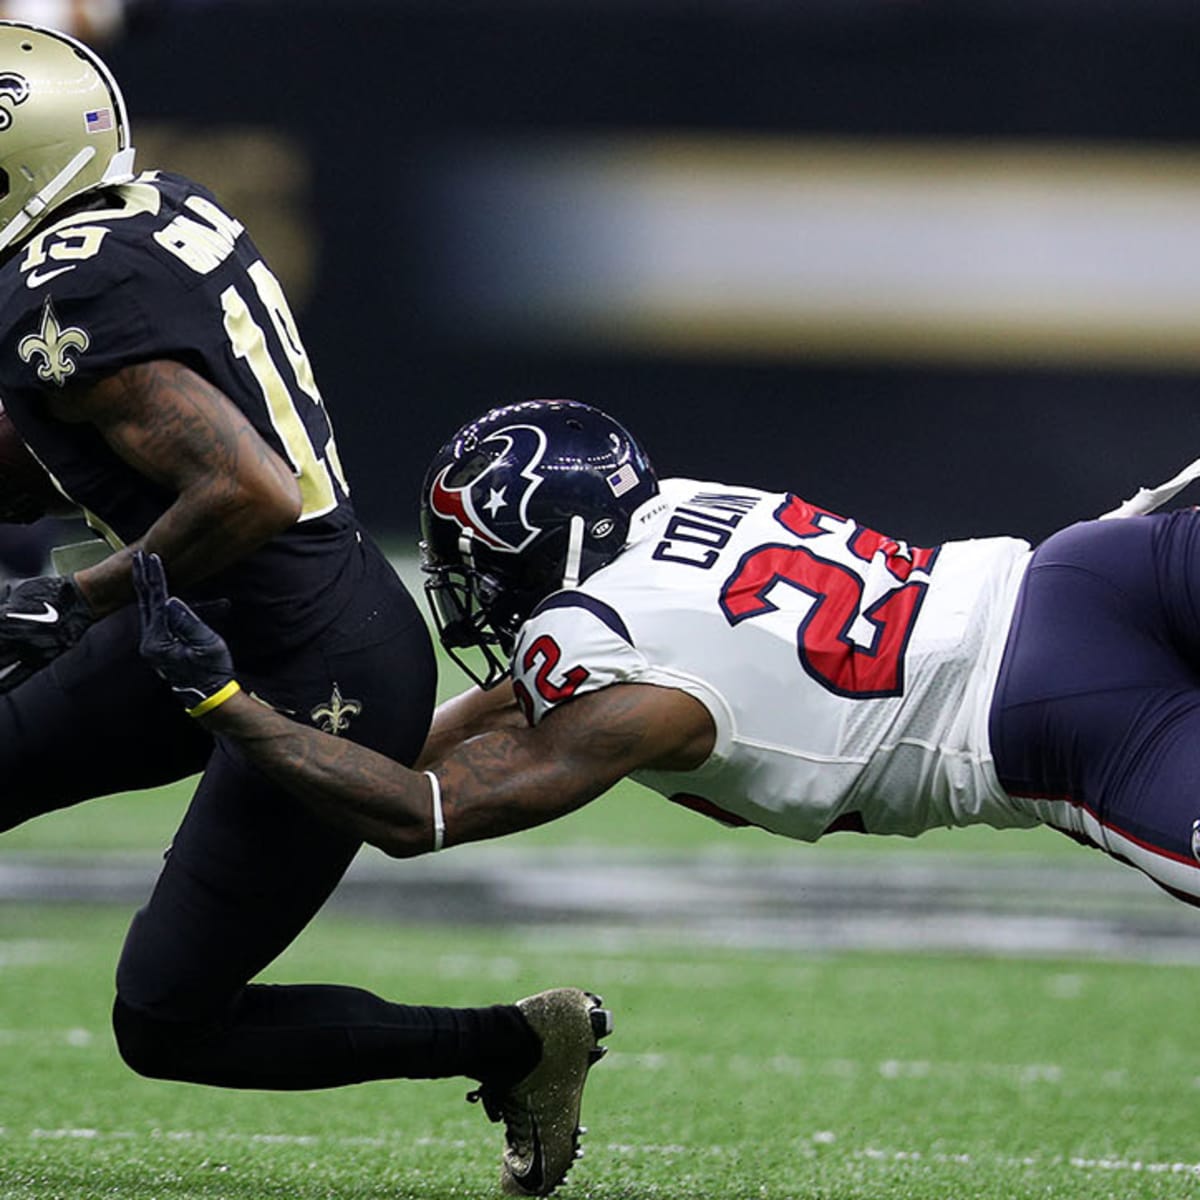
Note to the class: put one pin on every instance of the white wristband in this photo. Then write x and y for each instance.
(439, 820)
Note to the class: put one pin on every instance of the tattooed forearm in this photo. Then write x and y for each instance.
(348, 785)
(467, 715)
(232, 491)
(182, 430)
(501, 781)
(186, 423)
(491, 785)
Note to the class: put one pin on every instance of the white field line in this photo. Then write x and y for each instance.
(605, 967)
(891, 1069)
(613, 962)
(1135, 1165)
(747, 1066)
(78, 1039)
(32, 952)
(738, 1065)
(806, 1147)
(681, 974)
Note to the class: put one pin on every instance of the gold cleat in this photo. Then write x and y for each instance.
(541, 1111)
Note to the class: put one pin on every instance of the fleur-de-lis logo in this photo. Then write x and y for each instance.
(15, 89)
(334, 717)
(52, 344)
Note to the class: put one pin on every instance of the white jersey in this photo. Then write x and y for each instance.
(848, 675)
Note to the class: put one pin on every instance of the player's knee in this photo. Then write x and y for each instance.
(155, 1049)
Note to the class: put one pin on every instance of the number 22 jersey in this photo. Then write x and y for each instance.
(848, 675)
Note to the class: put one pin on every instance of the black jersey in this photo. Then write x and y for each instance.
(156, 269)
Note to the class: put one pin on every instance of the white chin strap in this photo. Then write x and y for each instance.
(120, 170)
(574, 552)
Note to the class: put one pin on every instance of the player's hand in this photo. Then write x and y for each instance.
(39, 619)
(190, 657)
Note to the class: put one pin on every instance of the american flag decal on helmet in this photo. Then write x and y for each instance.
(623, 479)
(98, 120)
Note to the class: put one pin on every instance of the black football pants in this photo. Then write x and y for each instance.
(249, 866)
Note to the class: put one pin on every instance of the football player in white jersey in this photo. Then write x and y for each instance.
(757, 658)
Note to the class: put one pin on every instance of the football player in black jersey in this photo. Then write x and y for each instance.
(150, 360)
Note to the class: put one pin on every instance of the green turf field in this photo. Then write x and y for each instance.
(734, 1072)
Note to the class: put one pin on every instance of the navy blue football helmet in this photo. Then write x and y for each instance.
(527, 500)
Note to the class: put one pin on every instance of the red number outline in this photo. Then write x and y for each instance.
(823, 644)
(550, 653)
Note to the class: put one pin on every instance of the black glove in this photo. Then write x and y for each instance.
(189, 656)
(39, 619)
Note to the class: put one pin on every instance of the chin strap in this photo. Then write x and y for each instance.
(574, 552)
(37, 204)
(120, 170)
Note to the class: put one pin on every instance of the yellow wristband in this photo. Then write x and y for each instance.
(216, 699)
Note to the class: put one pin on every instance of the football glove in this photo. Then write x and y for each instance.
(39, 619)
(188, 656)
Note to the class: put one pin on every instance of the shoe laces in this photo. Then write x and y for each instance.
(504, 1105)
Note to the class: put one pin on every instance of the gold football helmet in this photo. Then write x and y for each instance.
(63, 126)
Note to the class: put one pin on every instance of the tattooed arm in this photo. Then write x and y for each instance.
(232, 491)
(467, 715)
(495, 783)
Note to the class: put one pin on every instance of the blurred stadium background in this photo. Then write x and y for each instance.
(935, 263)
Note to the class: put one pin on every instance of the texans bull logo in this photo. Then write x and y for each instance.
(484, 505)
(15, 89)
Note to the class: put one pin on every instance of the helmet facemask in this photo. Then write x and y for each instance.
(527, 501)
(481, 608)
(462, 600)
